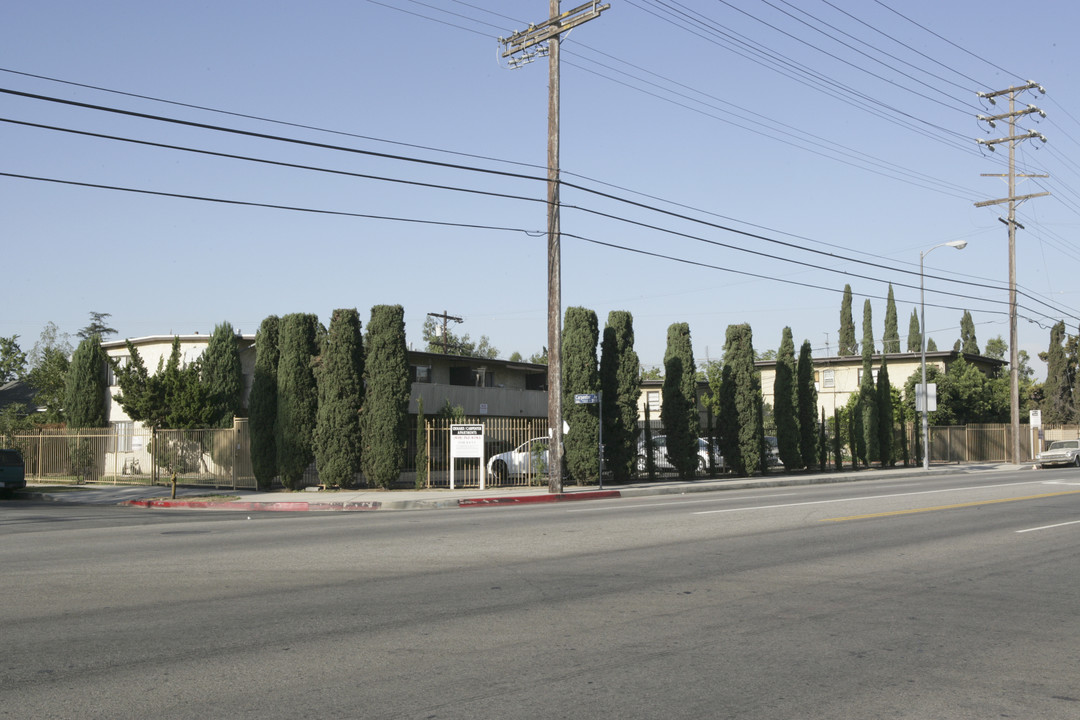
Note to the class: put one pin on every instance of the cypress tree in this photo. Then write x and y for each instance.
(885, 415)
(868, 392)
(85, 395)
(856, 441)
(679, 409)
(823, 453)
(341, 394)
(742, 388)
(968, 343)
(85, 391)
(223, 375)
(931, 346)
(581, 333)
(807, 408)
(384, 420)
(263, 404)
(1057, 391)
(297, 397)
(727, 419)
(421, 446)
(848, 346)
(914, 335)
(838, 455)
(620, 381)
(785, 404)
(890, 341)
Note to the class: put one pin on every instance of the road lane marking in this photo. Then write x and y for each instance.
(865, 497)
(947, 507)
(1047, 527)
(669, 504)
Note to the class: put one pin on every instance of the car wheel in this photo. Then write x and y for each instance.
(702, 466)
(498, 471)
(1076, 461)
(642, 463)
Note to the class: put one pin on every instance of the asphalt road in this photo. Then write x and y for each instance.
(944, 597)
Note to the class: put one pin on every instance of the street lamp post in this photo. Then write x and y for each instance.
(959, 245)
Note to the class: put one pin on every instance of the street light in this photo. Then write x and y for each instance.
(959, 245)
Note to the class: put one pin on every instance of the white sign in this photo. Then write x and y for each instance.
(931, 391)
(1036, 418)
(467, 441)
(483, 408)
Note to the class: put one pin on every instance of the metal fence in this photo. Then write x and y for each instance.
(212, 458)
(222, 457)
(500, 435)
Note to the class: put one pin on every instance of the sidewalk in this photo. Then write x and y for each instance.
(368, 500)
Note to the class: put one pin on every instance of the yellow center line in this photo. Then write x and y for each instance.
(947, 507)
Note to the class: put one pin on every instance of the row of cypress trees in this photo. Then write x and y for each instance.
(331, 396)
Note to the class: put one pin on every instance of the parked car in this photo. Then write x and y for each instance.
(1060, 452)
(662, 462)
(528, 458)
(772, 452)
(12, 470)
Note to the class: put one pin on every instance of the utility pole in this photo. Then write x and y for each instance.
(1012, 199)
(445, 337)
(521, 48)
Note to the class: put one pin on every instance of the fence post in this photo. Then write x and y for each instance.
(153, 458)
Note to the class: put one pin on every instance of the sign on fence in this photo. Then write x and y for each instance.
(467, 441)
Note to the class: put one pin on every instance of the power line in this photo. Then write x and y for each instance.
(945, 39)
(475, 226)
(467, 168)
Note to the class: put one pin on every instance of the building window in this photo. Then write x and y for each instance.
(122, 361)
(420, 373)
(120, 440)
(653, 398)
(873, 373)
(829, 378)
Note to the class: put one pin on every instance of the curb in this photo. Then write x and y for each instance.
(514, 500)
(533, 499)
(251, 506)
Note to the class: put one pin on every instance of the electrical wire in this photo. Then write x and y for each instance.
(462, 167)
(477, 226)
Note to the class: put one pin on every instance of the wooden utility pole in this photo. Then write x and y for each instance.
(1012, 199)
(445, 337)
(521, 48)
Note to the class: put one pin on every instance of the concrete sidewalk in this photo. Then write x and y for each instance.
(369, 500)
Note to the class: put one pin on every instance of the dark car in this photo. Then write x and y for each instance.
(12, 470)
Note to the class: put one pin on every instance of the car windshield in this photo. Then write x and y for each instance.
(1065, 445)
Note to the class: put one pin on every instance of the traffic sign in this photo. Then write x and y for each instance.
(586, 399)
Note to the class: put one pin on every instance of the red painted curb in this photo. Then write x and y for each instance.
(530, 499)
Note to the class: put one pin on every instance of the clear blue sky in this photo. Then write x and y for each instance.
(733, 113)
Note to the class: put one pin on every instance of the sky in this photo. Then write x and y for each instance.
(724, 162)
